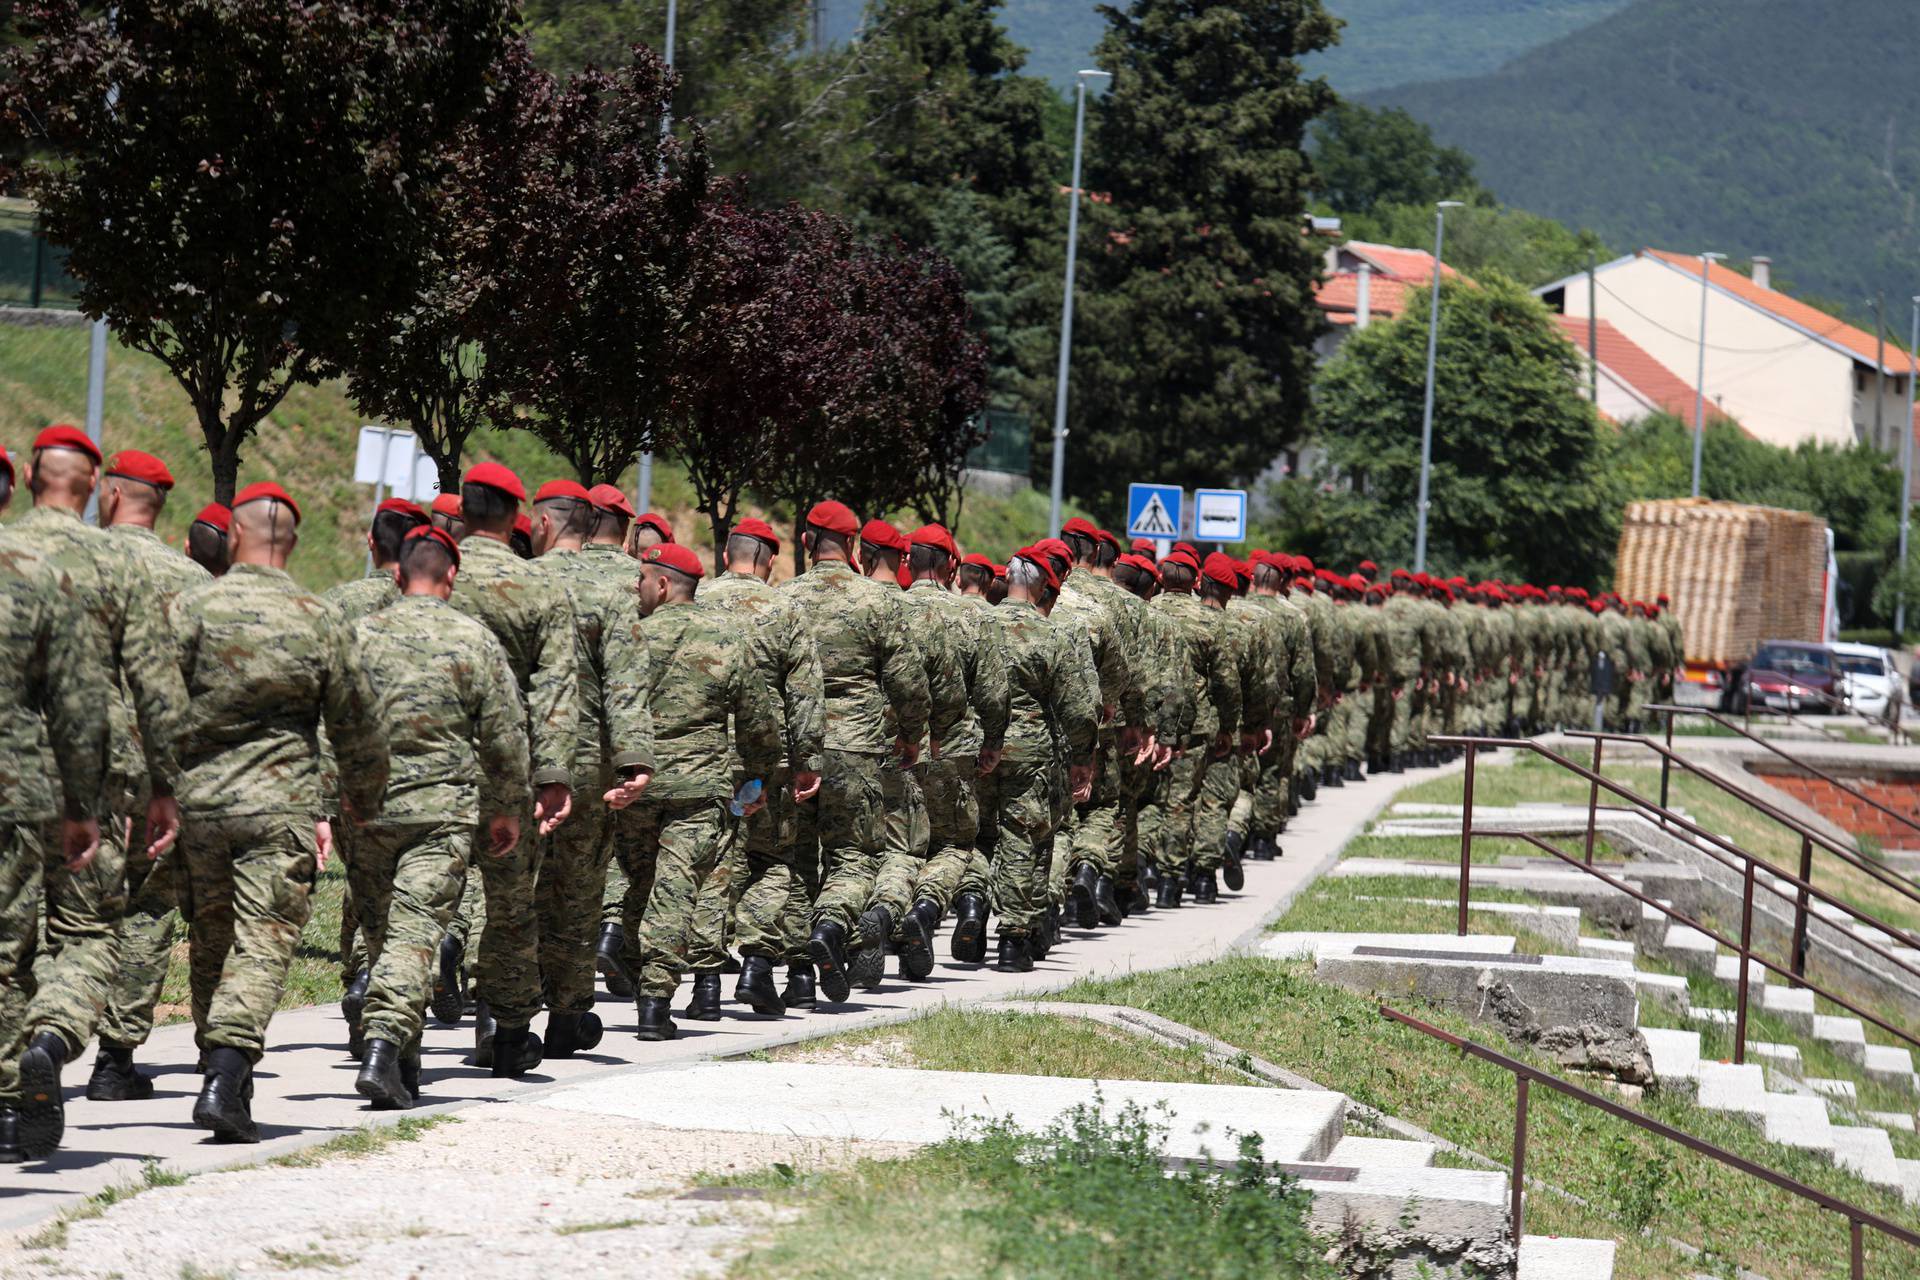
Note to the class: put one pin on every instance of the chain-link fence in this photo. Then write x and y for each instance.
(1009, 444)
(32, 272)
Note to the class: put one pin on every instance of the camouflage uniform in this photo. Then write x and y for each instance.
(1407, 667)
(533, 621)
(868, 667)
(1261, 810)
(705, 670)
(1261, 667)
(977, 878)
(1088, 606)
(264, 662)
(447, 705)
(1051, 720)
(54, 693)
(754, 887)
(908, 832)
(1213, 688)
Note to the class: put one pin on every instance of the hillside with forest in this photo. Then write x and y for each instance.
(1779, 127)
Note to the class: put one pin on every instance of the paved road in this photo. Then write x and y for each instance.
(304, 1087)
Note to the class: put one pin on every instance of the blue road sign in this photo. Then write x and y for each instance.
(1220, 515)
(1153, 510)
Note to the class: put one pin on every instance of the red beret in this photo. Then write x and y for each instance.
(6, 462)
(671, 555)
(1035, 556)
(1243, 569)
(1144, 547)
(933, 535)
(658, 523)
(144, 467)
(878, 533)
(562, 489)
(1055, 548)
(1143, 563)
(266, 491)
(1356, 583)
(999, 571)
(440, 536)
(979, 561)
(495, 476)
(1182, 556)
(1367, 565)
(1219, 568)
(1187, 547)
(65, 435)
(216, 515)
(402, 506)
(608, 497)
(1661, 598)
(754, 527)
(447, 504)
(523, 523)
(1109, 537)
(1083, 527)
(834, 517)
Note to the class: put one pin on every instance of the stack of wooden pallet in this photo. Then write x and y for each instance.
(1737, 575)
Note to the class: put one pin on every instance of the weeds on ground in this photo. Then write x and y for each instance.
(363, 1141)
(54, 1234)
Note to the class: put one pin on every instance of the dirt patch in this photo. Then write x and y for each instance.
(887, 1051)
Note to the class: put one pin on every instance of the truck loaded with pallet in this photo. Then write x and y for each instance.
(1737, 576)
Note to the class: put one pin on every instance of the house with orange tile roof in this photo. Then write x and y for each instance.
(1631, 383)
(1786, 371)
(1365, 282)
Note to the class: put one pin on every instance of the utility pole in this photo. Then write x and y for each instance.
(1426, 417)
(1906, 470)
(1700, 382)
(1880, 372)
(1066, 304)
(643, 480)
(1593, 326)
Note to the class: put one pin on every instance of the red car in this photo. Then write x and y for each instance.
(1788, 675)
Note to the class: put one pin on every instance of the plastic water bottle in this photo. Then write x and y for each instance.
(746, 796)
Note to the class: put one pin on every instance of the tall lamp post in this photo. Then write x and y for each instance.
(1906, 470)
(1700, 383)
(1066, 306)
(643, 482)
(1426, 416)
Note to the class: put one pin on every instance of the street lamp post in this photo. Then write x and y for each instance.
(1426, 416)
(643, 482)
(1906, 470)
(1700, 383)
(1066, 305)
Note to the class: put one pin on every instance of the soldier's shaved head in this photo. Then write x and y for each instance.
(660, 585)
(425, 568)
(61, 478)
(124, 500)
(748, 554)
(263, 533)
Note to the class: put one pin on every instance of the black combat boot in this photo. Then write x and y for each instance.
(755, 988)
(515, 1052)
(731, 964)
(379, 1080)
(484, 1029)
(1266, 848)
(450, 982)
(704, 1004)
(1015, 956)
(969, 945)
(353, 1002)
(1308, 787)
(43, 1113)
(916, 939)
(410, 1071)
(798, 993)
(225, 1102)
(1080, 906)
(828, 949)
(114, 1078)
(1205, 889)
(1136, 899)
(655, 1024)
(1230, 868)
(611, 964)
(570, 1032)
(867, 968)
(1164, 897)
(1106, 903)
(10, 1152)
(1353, 772)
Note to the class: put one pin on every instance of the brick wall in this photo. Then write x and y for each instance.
(1848, 812)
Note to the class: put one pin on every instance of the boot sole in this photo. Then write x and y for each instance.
(868, 968)
(916, 950)
(382, 1098)
(654, 1035)
(832, 981)
(613, 973)
(43, 1116)
(223, 1129)
(118, 1093)
(769, 1006)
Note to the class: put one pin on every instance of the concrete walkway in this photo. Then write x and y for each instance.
(304, 1087)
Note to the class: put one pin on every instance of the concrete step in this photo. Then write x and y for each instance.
(1868, 1152)
(1676, 1056)
(1282, 946)
(1793, 1007)
(1789, 1120)
(1685, 945)
(1606, 949)
(1382, 1153)
(1666, 990)
(1845, 1036)
(1841, 1089)
(1458, 1217)
(1889, 1065)
(1901, 1120)
(1564, 1258)
(1727, 969)
(1558, 925)
(1910, 1179)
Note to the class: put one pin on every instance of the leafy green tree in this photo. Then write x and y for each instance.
(1193, 351)
(1520, 484)
(1486, 237)
(1367, 158)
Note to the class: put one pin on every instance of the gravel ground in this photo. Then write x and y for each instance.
(499, 1194)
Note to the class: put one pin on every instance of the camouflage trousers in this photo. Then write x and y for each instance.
(953, 823)
(1150, 817)
(246, 895)
(1022, 845)
(1350, 726)
(499, 908)
(353, 947)
(567, 895)
(906, 838)
(837, 846)
(669, 847)
(748, 892)
(978, 875)
(406, 880)
(146, 933)
(1218, 789)
(1186, 781)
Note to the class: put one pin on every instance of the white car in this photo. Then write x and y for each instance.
(1873, 685)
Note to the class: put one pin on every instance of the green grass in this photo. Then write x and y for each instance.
(582, 1228)
(1277, 1011)
(302, 1259)
(364, 1141)
(54, 1234)
(1486, 849)
(1384, 905)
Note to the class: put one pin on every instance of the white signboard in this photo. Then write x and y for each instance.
(1220, 515)
(391, 460)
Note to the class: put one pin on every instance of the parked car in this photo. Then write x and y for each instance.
(1870, 680)
(1788, 675)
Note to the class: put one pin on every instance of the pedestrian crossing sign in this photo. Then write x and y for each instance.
(1153, 510)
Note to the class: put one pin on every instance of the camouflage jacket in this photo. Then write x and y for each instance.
(704, 672)
(1260, 662)
(54, 693)
(1400, 620)
(610, 667)
(447, 704)
(868, 666)
(947, 706)
(1084, 603)
(792, 668)
(975, 651)
(534, 623)
(155, 573)
(1046, 711)
(1163, 652)
(263, 664)
(1212, 685)
(356, 599)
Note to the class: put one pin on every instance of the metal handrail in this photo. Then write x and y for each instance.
(1668, 757)
(1670, 711)
(1525, 1074)
(1701, 833)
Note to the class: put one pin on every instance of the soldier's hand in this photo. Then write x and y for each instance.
(163, 825)
(806, 785)
(551, 805)
(627, 790)
(987, 761)
(322, 843)
(1080, 778)
(909, 752)
(1266, 742)
(1163, 757)
(1149, 747)
(1304, 728)
(503, 833)
(79, 841)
